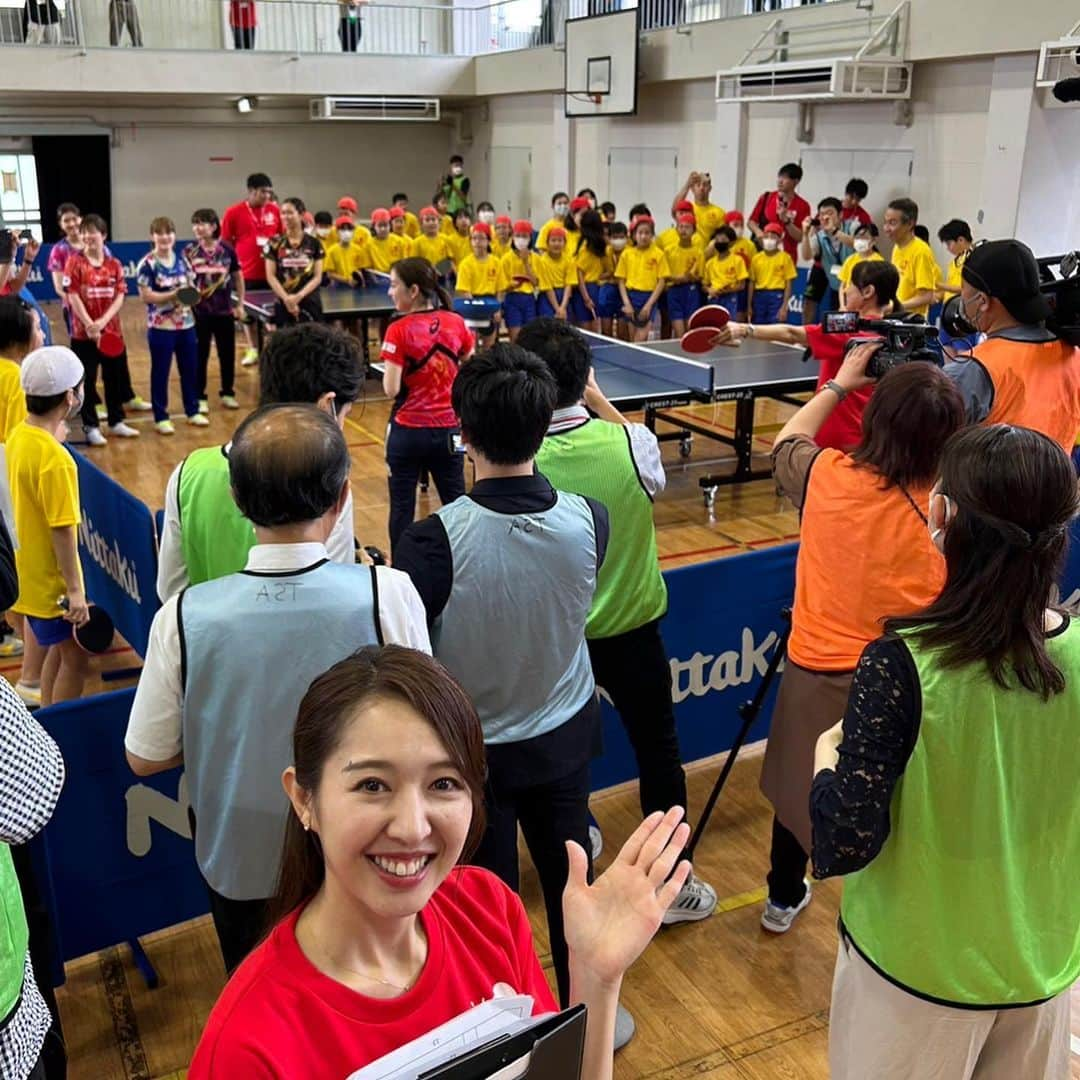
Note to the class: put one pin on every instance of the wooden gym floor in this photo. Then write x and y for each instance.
(719, 999)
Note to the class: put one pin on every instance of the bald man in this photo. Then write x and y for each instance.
(230, 659)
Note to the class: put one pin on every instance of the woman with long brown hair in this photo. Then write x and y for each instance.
(947, 796)
(383, 934)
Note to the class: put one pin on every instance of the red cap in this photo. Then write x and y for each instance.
(773, 227)
(523, 228)
(482, 227)
(734, 216)
(686, 219)
(557, 230)
(347, 202)
(344, 223)
(644, 219)
(684, 207)
(396, 212)
(428, 211)
(580, 203)
(504, 219)
(379, 215)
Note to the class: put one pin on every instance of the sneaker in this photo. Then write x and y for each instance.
(624, 1027)
(95, 438)
(696, 900)
(250, 357)
(204, 407)
(229, 402)
(136, 404)
(165, 427)
(10, 646)
(198, 420)
(596, 841)
(102, 412)
(124, 431)
(31, 695)
(777, 919)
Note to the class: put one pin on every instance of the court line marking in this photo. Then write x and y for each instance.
(364, 431)
(699, 551)
(741, 900)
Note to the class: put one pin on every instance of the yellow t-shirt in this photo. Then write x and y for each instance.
(460, 247)
(555, 273)
(446, 226)
(412, 225)
(709, 218)
(384, 253)
(433, 248)
(669, 239)
(642, 268)
(541, 240)
(852, 261)
(685, 260)
(513, 266)
(480, 278)
(953, 278)
(12, 399)
(498, 248)
(342, 262)
(745, 249)
(771, 270)
(361, 233)
(918, 271)
(595, 268)
(44, 496)
(725, 274)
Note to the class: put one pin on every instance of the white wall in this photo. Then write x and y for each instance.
(1049, 220)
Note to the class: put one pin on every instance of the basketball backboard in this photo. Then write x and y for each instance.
(601, 64)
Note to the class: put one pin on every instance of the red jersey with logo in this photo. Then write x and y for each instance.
(843, 428)
(242, 14)
(249, 231)
(428, 346)
(97, 287)
(280, 1017)
(767, 212)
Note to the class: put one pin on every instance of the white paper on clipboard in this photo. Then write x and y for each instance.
(480, 1024)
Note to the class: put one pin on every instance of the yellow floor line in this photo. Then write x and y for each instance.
(743, 899)
(364, 430)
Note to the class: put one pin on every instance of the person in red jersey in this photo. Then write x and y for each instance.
(383, 934)
(422, 349)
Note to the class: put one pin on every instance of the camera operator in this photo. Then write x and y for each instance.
(1022, 373)
(864, 554)
(869, 294)
(821, 242)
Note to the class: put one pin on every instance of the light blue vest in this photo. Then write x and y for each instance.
(513, 630)
(252, 644)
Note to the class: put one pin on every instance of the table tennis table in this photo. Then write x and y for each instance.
(658, 377)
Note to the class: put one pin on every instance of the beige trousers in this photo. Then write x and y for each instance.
(878, 1031)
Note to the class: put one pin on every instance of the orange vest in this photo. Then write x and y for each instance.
(864, 554)
(1036, 385)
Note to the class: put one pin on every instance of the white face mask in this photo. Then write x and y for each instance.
(345, 235)
(521, 243)
(322, 232)
(770, 243)
(561, 209)
(937, 535)
(456, 170)
(486, 216)
(862, 245)
(618, 243)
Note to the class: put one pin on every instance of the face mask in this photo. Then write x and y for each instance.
(618, 243)
(521, 243)
(770, 243)
(322, 232)
(486, 216)
(456, 170)
(561, 209)
(722, 249)
(345, 235)
(77, 407)
(862, 246)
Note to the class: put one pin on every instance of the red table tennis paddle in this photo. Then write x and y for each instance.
(96, 634)
(700, 340)
(110, 343)
(710, 315)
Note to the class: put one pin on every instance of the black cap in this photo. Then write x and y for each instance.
(1007, 271)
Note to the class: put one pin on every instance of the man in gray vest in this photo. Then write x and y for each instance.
(229, 660)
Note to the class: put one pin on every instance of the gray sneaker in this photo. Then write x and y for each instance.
(624, 1028)
(777, 919)
(696, 900)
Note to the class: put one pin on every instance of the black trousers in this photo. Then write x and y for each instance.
(243, 37)
(222, 331)
(549, 814)
(787, 867)
(350, 32)
(633, 668)
(240, 926)
(408, 451)
(113, 375)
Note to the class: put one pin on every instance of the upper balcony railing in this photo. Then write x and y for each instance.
(325, 26)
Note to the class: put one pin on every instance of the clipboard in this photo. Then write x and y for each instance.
(549, 1050)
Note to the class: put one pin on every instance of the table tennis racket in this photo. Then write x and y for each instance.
(710, 315)
(188, 295)
(96, 634)
(700, 340)
(110, 343)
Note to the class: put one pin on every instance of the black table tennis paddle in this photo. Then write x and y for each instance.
(97, 633)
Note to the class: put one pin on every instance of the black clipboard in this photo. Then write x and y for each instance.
(554, 1048)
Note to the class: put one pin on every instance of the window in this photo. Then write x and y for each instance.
(20, 206)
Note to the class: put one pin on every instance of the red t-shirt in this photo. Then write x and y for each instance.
(279, 1017)
(249, 231)
(98, 287)
(429, 346)
(767, 210)
(843, 429)
(855, 213)
(242, 14)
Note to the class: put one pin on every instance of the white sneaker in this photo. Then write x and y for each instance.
(165, 427)
(204, 406)
(251, 357)
(229, 401)
(124, 431)
(198, 420)
(596, 841)
(136, 404)
(31, 695)
(95, 438)
(696, 900)
(777, 919)
(624, 1027)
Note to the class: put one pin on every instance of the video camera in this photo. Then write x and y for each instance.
(901, 340)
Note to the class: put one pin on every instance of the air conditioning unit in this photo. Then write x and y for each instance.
(375, 108)
(840, 79)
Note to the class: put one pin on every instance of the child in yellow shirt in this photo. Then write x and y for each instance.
(642, 273)
(431, 243)
(865, 251)
(686, 264)
(556, 276)
(595, 269)
(384, 247)
(346, 261)
(480, 276)
(412, 225)
(458, 241)
(519, 271)
(501, 233)
(726, 274)
(771, 274)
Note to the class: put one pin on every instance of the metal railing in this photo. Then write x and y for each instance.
(322, 26)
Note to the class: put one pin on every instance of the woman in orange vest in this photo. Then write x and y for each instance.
(864, 554)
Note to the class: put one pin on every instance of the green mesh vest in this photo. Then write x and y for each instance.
(595, 460)
(973, 898)
(14, 936)
(214, 535)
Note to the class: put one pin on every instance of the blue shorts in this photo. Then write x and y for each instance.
(579, 313)
(50, 631)
(767, 305)
(519, 308)
(740, 301)
(638, 299)
(683, 301)
(544, 310)
(610, 301)
(732, 302)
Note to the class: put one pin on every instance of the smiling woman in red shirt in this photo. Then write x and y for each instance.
(422, 349)
(384, 935)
